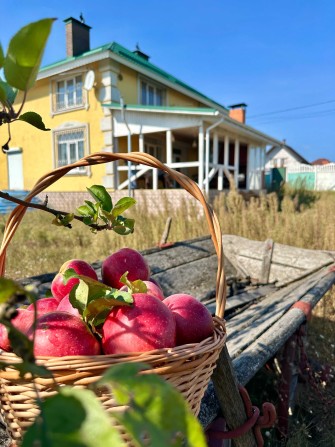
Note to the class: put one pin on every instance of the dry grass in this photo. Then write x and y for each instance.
(294, 218)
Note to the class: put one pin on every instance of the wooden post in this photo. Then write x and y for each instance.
(231, 403)
(266, 263)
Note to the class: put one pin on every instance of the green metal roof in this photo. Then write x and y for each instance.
(121, 51)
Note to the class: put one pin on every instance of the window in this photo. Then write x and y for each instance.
(151, 94)
(70, 146)
(69, 94)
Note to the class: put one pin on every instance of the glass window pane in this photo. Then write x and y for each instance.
(80, 149)
(70, 92)
(79, 90)
(159, 97)
(62, 156)
(151, 96)
(60, 95)
(143, 93)
(73, 153)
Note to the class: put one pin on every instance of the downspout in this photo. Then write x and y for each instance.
(207, 152)
(123, 107)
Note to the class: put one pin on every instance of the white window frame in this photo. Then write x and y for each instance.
(71, 129)
(55, 83)
(155, 87)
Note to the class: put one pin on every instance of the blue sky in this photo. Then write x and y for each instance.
(272, 56)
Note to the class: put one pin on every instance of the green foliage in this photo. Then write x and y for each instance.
(2, 56)
(104, 214)
(34, 119)
(24, 54)
(63, 221)
(7, 93)
(72, 418)
(157, 415)
(137, 286)
(93, 299)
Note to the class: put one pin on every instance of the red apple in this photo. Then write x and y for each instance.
(59, 289)
(152, 289)
(122, 261)
(44, 305)
(22, 321)
(146, 325)
(194, 322)
(65, 306)
(60, 334)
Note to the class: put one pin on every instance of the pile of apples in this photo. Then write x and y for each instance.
(150, 322)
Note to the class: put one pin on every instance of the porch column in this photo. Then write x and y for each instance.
(141, 142)
(168, 147)
(215, 149)
(201, 157)
(226, 151)
(236, 161)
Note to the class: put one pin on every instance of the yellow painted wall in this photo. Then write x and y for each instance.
(176, 99)
(38, 145)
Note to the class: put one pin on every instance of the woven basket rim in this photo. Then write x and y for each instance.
(185, 182)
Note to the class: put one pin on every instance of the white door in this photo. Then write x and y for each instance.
(15, 170)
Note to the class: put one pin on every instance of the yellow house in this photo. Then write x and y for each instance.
(112, 99)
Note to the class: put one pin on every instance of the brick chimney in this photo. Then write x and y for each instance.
(77, 36)
(237, 112)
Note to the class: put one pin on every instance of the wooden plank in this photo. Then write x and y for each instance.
(242, 298)
(249, 362)
(266, 262)
(247, 327)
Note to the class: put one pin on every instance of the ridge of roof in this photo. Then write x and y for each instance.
(123, 52)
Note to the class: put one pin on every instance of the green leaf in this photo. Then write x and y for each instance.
(122, 205)
(34, 119)
(100, 194)
(137, 286)
(72, 418)
(9, 289)
(7, 93)
(25, 53)
(123, 225)
(2, 56)
(156, 411)
(63, 221)
(85, 210)
(93, 298)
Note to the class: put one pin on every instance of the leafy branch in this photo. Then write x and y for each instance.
(91, 214)
(20, 66)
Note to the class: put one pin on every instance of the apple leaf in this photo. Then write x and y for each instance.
(93, 299)
(137, 286)
(85, 210)
(34, 119)
(72, 418)
(25, 53)
(122, 205)
(123, 225)
(7, 93)
(2, 56)
(63, 221)
(10, 289)
(156, 411)
(100, 194)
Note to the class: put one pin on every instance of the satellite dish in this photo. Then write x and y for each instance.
(89, 80)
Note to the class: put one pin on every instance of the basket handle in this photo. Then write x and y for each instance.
(185, 182)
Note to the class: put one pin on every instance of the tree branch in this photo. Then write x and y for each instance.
(56, 213)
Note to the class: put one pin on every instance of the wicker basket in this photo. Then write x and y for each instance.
(187, 367)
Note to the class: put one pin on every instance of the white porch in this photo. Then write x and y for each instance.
(210, 148)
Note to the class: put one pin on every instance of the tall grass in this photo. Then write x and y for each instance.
(39, 247)
(294, 217)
